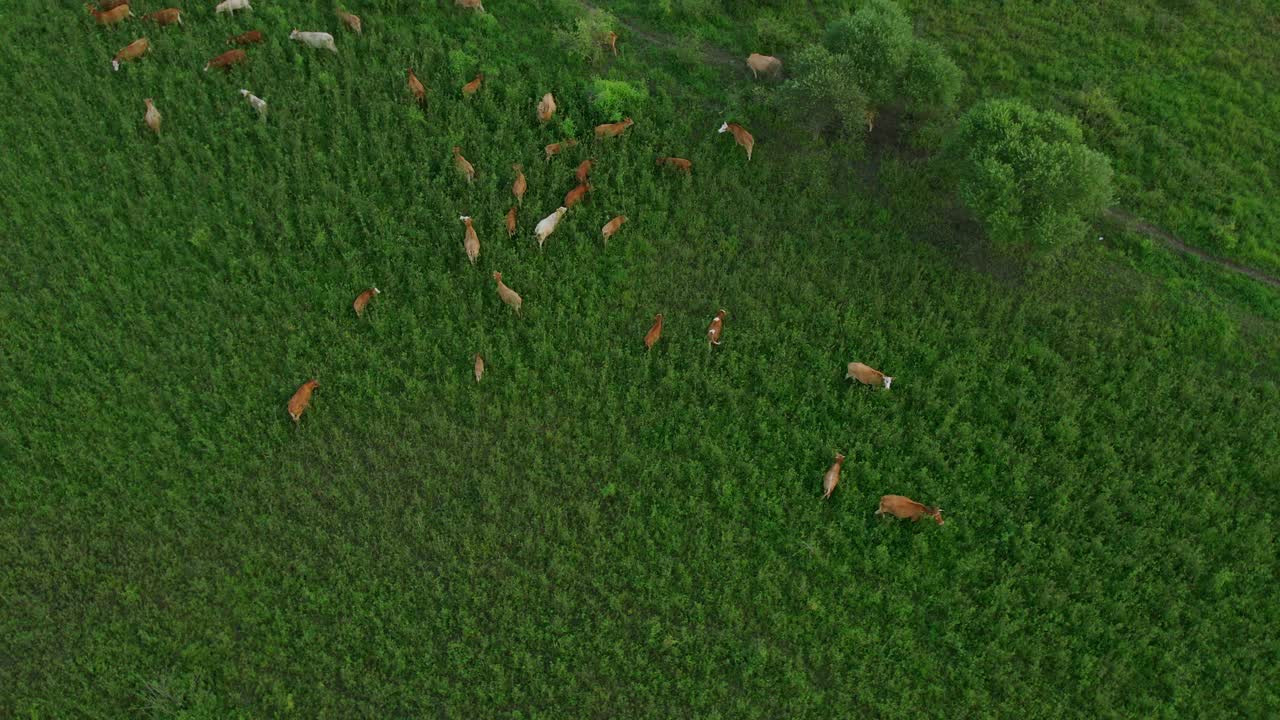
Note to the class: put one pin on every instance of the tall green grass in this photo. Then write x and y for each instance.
(592, 530)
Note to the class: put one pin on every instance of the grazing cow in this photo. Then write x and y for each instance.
(171, 16)
(253, 37)
(226, 60)
(676, 163)
(511, 221)
(763, 64)
(106, 5)
(132, 51)
(478, 368)
(362, 300)
(470, 88)
(740, 135)
(469, 4)
(611, 41)
(415, 87)
(470, 242)
(867, 375)
(611, 228)
(255, 102)
(870, 117)
(351, 21)
(546, 107)
(904, 508)
(832, 478)
(655, 332)
(572, 197)
(716, 328)
(519, 186)
(556, 148)
(317, 40)
(301, 400)
(463, 166)
(584, 169)
(548, 224)
(112, 15)
(231, 6)
(152, 117)
(509, 296)
(613, 129)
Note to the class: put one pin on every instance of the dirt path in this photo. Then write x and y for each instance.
(720, 56)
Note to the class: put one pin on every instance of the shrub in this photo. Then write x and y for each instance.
(877, 39)
(616, 99)
(1027, 173)
(586, 39)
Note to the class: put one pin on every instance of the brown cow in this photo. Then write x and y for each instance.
(613, 129)
(470, 88)
(584, 169)
(362, 300)
(509, 296)
(253, 37)
(611, 228)
(907, 509)
(716, 328)
(152, 116)
(556, 148)
(462, 165)
(415, 87)
(676, 163)
(546, 108)
(112, 15)
(611, 40)
(470, 242)
(170, 16)
(132, 51)
(763, 64)
(867, 375)
(651, 338)
(351, 21)
(740, 135)
(469, 4)
(226, 60)
(520, 185)
(478, 368)
(832, 478)
(575, 195)
(301, 399)
(511, 221)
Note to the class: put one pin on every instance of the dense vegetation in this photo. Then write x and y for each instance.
(1183, 95)
(592, 531)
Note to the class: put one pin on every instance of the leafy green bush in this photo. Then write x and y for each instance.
(1027, 173)
(585, 40)
(868, 61)
(616, 99)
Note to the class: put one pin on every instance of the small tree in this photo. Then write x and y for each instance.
(1027, 173)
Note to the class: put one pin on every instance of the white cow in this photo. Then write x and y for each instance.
(230, 6)
(258, 103)
(548, 225)
(317, 40)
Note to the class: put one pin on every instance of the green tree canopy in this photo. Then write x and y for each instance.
(1027, 173)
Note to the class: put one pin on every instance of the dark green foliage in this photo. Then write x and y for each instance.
(869, 61)
(593, 531)
(1027, 173)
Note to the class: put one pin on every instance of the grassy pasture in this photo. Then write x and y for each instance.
(592, 531)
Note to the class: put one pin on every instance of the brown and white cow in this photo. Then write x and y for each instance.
(611, 228)
(132, 51)
(716, 328)
(110, 15)
(741, 136)
(508, 296)
(867, 375)
(470, 241)
(362, 300)
(905, 508)
(546, 107)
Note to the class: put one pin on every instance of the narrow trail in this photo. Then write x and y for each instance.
(719, 56)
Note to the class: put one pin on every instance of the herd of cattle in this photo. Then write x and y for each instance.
(111, 12)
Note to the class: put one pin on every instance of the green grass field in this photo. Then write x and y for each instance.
(592, 530)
